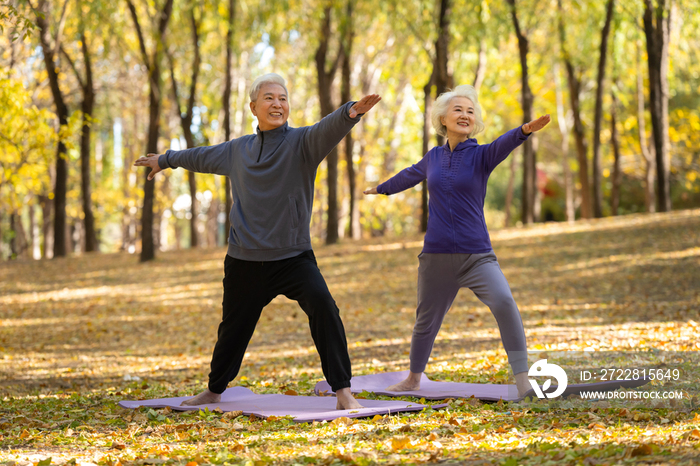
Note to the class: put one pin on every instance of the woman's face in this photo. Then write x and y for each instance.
(271, 107)
(460, 117)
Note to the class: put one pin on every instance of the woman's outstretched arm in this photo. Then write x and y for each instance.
(406, 178)
(536, 125)
(497, 151)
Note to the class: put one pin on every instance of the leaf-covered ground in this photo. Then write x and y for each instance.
(78, 335)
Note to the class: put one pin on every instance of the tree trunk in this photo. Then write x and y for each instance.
(353, 215)
(147, 238)
(597, 165)
(18, 241)
(617, 173)
(227, 108)
(529, 156)
(61, 183)
(428, 102)
(649, 157)
(564, 130)
(35, 252)
(480, 72)
(88, 106)
(153, 64)
(325, 84)
(657, 25)
(46, 220)
(186, 122)
(443, 78)
(579, 133)
(509, 191)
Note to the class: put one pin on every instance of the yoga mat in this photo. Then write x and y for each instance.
(301, 408)
(433, 390)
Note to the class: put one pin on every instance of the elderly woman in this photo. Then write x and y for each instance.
(457, 249)
(269, 253)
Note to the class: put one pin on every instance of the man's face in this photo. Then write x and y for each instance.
(271, 107)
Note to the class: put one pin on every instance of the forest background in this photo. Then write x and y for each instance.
(88, 86)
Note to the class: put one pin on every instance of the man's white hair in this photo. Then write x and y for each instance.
(272, 78)
(442, 104)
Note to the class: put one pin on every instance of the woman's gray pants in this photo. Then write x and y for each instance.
(440, 276)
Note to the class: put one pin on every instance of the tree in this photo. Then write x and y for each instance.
(615, 136)
(186, 116)
(326, 75)
(564, 129)
(50, 47)
(529, 156)
(152, 62)
(574, 82)
(348, 34)
(227, 106)
(647, 153)
(87, 107)
(597, 166)
(657, 26)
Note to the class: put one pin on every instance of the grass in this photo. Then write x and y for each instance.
(80, 334)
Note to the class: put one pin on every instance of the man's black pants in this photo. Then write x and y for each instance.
(249, 287)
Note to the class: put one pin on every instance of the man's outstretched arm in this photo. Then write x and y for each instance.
(205, 159)
(322, 137)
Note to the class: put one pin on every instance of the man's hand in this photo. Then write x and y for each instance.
(370, 191)
(150, 161)
(364, 105)
(536, 125)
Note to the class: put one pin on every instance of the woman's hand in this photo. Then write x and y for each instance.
(150, 161)
(364, 105)
(370, 191)
(536, 125)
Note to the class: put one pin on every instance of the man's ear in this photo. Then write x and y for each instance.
(252, 108)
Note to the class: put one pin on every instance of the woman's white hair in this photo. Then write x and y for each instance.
(272, 78)
(442, 104)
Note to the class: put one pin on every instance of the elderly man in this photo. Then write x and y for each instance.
(269, 253)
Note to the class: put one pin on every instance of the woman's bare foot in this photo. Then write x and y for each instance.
(204, 398)
(523, 384)
(346, 400)
(411, 383)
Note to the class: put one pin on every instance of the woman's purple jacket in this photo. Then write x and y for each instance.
(457, 187)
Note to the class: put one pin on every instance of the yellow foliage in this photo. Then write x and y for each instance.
(27, 142)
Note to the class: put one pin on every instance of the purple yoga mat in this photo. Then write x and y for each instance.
(433, 390)
(301, 408)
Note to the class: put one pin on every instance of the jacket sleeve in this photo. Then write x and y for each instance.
(206, 159)
(406, 178)
(497, 151)
(319, 139)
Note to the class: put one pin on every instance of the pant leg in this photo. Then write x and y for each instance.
(245, 295)
(300, 279)
(437, 288)
(482, 274)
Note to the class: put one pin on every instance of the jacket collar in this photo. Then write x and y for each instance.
(461, 146)
(271, 135)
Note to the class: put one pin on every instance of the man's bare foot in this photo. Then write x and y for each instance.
(411, 383)
(346, 400)
(204, 398)
(523, 384)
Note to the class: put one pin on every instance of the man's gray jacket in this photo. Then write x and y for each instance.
(272, 182)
